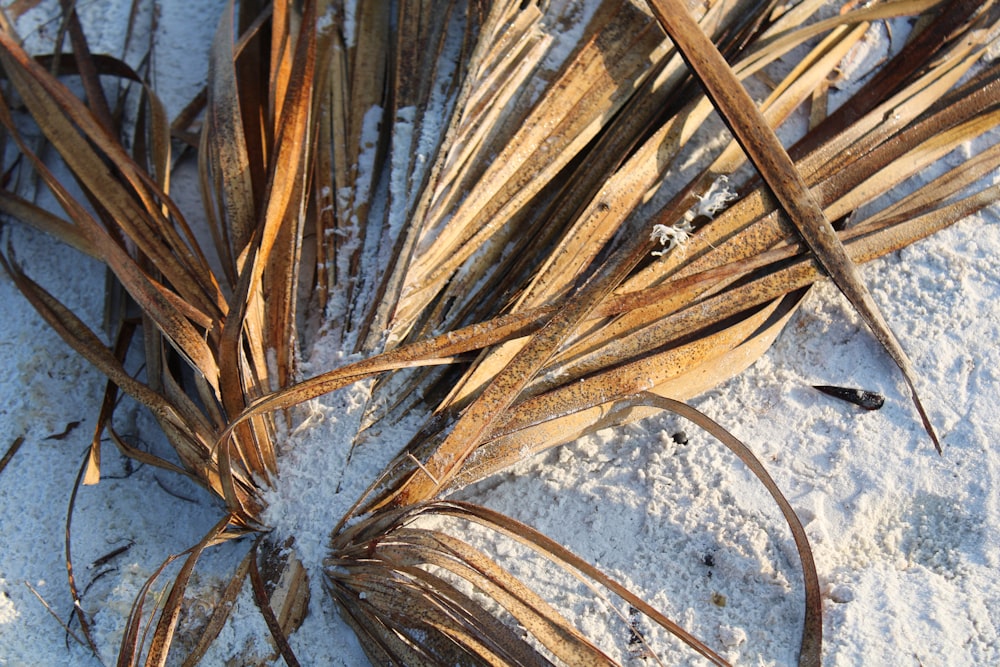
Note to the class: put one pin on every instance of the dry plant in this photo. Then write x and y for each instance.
(520, 252)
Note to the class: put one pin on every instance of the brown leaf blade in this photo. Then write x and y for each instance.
(776, 167)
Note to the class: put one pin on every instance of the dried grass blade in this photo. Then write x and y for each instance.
(224, 143)
(292, 158)
(159, 150)
(487, 41)
(287, 171)
(130, 197)
(810, 652)
(441, 349)
(619, 43)
(497, 77)
(81, 615)
(894, 116)
(939, 190)
(914, 55)
(578, 408)
(616, 335)
(368, 67)
(676, 352)
(220, 613)
(247, 327)
(941, 142)
(279, 60)
(82, 339)
(499, 394)
(751, 224)
(42, 220)
(180, 330)
(354, 98)
(677, 292)
(188, 438)
(786, 34)
(420, 52)
(567, 560)
(422, 547)
(574, 407)
(845, 29)
(481, 633)
(784, 179)
(122, 342)
(53, 614)
(812, 70)
(263, 601)
(863, 244)
(383, 640)
(11, 451)
(396, 570)
(379, 642)
(608, 211)
(88, 71)
(149, 459)
(170, 614)
(438, 620)
(129, 649)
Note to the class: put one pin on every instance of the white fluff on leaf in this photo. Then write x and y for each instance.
(714, 200)
(671, 236)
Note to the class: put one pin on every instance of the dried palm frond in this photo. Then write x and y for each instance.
(509, 237)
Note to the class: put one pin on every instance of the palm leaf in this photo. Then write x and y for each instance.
(483, 224)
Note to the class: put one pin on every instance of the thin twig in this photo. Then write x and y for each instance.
(9, 454)
(54, 615)
(77, 602)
